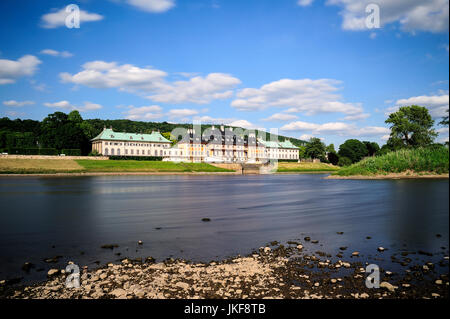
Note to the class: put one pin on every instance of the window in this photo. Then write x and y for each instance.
(112, 151)
(137, 152)
(106, 151)
(126, 152)
(132, 152)
(118, 151)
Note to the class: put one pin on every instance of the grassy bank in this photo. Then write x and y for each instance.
(44, 166)
(411, 161)
(289, 167)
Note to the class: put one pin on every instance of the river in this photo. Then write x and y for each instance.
(72, 217)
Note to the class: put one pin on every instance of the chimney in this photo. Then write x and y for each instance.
(222, 129)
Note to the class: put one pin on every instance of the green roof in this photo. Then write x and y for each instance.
(274, 144)
(110, 135)
(287, 144)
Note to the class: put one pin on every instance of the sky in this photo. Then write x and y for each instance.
(302, 68)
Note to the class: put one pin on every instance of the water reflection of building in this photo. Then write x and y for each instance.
(214, 145)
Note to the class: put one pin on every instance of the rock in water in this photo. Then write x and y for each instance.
(206, 219)
(388, 286)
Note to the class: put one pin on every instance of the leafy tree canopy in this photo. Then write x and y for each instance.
(353, 149)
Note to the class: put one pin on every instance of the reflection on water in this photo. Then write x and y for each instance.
(72, 217)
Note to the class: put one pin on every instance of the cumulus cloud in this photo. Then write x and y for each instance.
(412, 15)
(356, 117)
(58, 18)
(301, 96)
(63, 54)
(14, 103)
(151, 112)
(66, 105)
(436, 104)
(127, 77)
(153, 6)
(335, 128)
(11, 70)
(199, 90)
(281, 117)
(181, 113)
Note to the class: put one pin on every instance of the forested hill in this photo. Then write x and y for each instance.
(59, 130)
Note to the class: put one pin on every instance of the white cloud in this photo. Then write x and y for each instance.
(301, 96)
(58, 18)
(335, 128)
(280, 117)
(436, 104)
(356, 117)
(11, 70)
(154, 6)
(66, 105)
(306, 137)
(412, 15)
(151, 112)
(100, 74)
(14, 103)
(127, 77)
(199, 90)
(63, 54)
(181, 113)
(304, 3)
(14, 114)
(443, 134)
(243, 123)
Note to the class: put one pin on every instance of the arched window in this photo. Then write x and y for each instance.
(112, 151)
(148, 152)
(118, 151)
(106, 151)
(160, 153)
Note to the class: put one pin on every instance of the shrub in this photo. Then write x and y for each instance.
(71, 152)
(32, 151)
(333, 158)
(353, 149)
(344, 161)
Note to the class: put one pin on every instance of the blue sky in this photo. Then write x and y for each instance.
(304, 67)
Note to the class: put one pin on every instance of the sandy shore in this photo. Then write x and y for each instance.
(272, 272)
(392, 176)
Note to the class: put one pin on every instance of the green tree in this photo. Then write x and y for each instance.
(301, 151)
(330, 149)
(411, 126)
(372, 148)
(333, 158)
(353, 149)
(344, 161)
(315, 148)
(444, 121)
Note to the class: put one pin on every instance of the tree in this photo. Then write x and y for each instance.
(372, 148)
(315, 148)
(411, 126)
(330, 149)
(333, 158)
(301, 151)
(444, 121)
(353, 149)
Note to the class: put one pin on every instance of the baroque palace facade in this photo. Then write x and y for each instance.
(215, 145)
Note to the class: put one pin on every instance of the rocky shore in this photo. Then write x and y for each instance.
(274, 271)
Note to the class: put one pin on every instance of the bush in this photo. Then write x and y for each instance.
(288, 160)
(344, 161)
(136, 158)
(94, 153)
(32, 151)
(71, 152)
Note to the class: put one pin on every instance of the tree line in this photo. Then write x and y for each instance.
(411, 127)
(60, 131)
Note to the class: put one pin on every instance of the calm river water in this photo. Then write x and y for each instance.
(72, 217)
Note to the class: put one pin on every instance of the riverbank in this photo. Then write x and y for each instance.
(404, 175)
(19, 166)
(430, 162)
(305, 167)
(273, 272)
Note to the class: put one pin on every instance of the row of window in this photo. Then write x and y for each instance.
(137, 144)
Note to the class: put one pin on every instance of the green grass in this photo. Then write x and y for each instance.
(146, 166)
(433, 160)
(290, 167)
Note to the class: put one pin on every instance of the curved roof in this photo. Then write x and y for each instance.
(110, 135)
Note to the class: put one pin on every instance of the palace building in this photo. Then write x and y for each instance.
(214, 145)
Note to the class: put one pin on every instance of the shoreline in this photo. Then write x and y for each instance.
(115, 174)
(275, 271)
(391, 176)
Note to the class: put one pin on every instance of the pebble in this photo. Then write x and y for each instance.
(53, 272)
(381, 249)
(355, 253)
(438, 282)
(388, 286)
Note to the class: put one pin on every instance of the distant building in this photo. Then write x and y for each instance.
(109, 143)
(214, 145)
